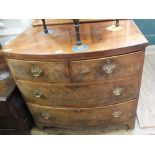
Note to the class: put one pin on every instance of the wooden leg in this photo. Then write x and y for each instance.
(40, 126)
(131, 124)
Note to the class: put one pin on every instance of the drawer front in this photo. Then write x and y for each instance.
(116, 67)
(70, 118)
(39, 71)
(80, 95)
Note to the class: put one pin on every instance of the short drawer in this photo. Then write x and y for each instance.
(115, 67)
(39, 71)
(84, 117)
(80, 95)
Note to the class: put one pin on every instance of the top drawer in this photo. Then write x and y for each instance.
(39, 71)
(109, 68)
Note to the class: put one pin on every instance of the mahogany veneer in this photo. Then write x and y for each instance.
(96, 87)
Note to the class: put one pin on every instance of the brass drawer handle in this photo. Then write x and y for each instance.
(116, 114)
(45, 115)
(117, 91)
(109, 67)
(37, 93)
(36, 71)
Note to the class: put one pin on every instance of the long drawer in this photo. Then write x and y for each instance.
(38, 71)
(84, 117)
(80, 95)
(115, 67)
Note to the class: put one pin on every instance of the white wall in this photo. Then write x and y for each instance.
(11, 28)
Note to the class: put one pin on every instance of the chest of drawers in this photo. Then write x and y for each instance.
(69, 89)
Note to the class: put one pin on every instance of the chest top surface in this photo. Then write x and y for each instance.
(34, 44)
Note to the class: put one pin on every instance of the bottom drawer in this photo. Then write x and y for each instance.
(84, 117)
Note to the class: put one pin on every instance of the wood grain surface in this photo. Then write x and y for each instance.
(50, 71)
(126, 65)
(75, 118)
(80, 95)
(94, 87)
(34, 44)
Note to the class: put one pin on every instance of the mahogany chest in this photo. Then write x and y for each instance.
(95, 87)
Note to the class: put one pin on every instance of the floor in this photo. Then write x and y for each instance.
(146, 108)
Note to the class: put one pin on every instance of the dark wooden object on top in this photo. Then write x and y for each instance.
(44, 26)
